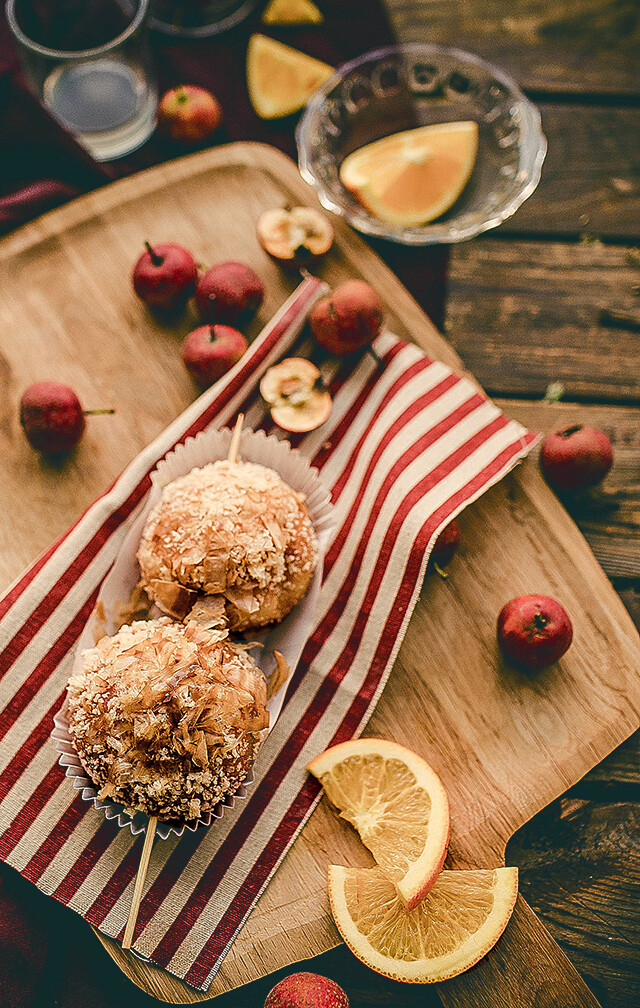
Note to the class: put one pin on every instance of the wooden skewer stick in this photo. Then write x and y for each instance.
(139, 886)
(235, 440)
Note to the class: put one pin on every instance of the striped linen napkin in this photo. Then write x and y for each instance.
(408, 445)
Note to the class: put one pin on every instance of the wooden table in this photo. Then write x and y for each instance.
(524, 310)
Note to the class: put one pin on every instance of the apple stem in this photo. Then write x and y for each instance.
(212, 334)
(97, 412)
(539, 621)
(377, 358)
(439, 570)
(569, 431)
(554, 393)
(156, 259)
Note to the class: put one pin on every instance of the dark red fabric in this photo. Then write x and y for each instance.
(48, 956)
(42, 166)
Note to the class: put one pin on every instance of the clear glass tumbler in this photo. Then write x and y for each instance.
(198, 18)
(89, 63)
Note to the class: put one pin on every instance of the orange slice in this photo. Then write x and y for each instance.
(397, 804)
(288, 12)
(413, 177)
(281, 79)
(459, 921)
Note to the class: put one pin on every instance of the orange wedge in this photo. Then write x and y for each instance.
(397, 804)
(413, 177)
(289, 12)
(281, 79)
(459, 921)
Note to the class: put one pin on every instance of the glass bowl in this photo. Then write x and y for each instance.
(402, 87)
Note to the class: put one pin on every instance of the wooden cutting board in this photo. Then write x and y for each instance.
(505, 744)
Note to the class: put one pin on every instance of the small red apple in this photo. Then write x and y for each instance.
(446, 545)
(576, 458)
(210, 351)
(534, 631)
(188, 113)
(229, 292)
(165, 276)
(348, 319)
(52, 417)
(306, 990)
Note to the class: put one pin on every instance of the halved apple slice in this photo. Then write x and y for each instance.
(294, 237)
(294, 393)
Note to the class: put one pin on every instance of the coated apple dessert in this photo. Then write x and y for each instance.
(166, 717)
(233, 538)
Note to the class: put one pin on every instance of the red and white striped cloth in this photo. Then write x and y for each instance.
(408, 445)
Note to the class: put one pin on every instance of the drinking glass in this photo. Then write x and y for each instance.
(88, 61)
(198, 18)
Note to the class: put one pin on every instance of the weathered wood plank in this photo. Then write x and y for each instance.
(609, 518)
(591, 176)
(577, 46)
(523, 314)
(579, 871)
(621, 767)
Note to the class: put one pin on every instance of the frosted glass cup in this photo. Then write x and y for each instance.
(88, 61)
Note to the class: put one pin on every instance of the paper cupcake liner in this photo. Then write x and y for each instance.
(287, 637)
(137, 822)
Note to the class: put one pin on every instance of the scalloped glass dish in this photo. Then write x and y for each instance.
(400, 88)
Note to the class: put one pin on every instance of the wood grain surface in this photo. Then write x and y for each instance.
(609, 519)
(591, 177)
(472, 716)
(523, 314)
(573, 47)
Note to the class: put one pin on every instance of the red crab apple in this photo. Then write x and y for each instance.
(295, 395)
(188, 113)
(165, 276)
(446, 545)
(52, 417)
(229, 292)
(306, 990)
(348, 319)
(210, 351)
(295, 236)
(534, 631)
(576, 458)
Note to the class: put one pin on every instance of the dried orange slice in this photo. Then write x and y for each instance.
(397, 804)
(289, 12)
(413, 177)
(281, 79)
(457, 923)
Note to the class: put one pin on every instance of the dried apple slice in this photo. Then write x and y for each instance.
(295, 395)
(295, 236)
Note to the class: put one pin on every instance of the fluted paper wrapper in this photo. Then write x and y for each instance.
(287, 637)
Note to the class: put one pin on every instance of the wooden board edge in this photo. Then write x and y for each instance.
(161, 984)
(264, 157)
(113, 194)
(251, 154)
